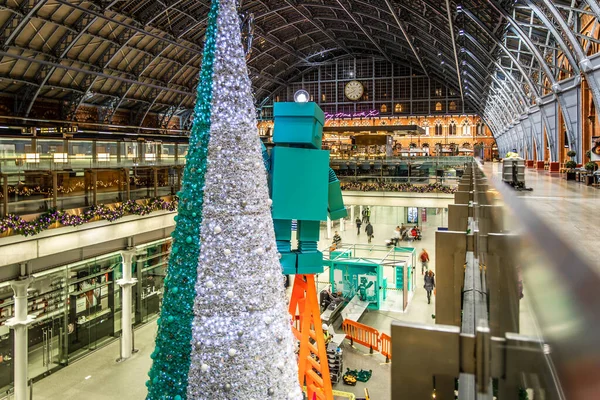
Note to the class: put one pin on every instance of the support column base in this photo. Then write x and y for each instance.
(554, 166)
(539, 165)
(530, 163)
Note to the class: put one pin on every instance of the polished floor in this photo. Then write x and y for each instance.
(569, 207)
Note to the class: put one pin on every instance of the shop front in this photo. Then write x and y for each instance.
(77, 309)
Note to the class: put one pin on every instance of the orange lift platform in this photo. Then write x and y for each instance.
(313, 370)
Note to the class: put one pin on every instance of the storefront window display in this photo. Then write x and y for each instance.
(76, 306)
(150, 268)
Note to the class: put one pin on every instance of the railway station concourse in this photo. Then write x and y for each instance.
(473, 121)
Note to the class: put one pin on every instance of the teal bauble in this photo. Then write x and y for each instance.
(188, 239)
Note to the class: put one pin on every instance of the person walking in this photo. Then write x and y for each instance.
(429, 285)
(424, 256)
(369, 230)
(364, 216)
(368, 214)
(358, 225)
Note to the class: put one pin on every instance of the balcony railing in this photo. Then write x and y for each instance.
(516, 308)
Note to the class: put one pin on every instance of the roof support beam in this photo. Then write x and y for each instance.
(347, 10)
(91, 72)
(451, 26)
(408, 40)
(311, 19)
(514, 26)
(582, 59)
(518, 64)
(23, 20)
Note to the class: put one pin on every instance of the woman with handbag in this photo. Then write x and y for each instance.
(429, 285)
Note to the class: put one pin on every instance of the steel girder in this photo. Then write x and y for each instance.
(568, 117)
(412, 32)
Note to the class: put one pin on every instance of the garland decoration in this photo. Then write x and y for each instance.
(100, 212)
(397, 187)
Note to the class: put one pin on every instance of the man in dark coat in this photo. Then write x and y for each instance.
(369, 230)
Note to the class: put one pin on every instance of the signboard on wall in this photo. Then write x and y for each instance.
(413, 215)
(423, 215)
(595, 148)
(80, 305)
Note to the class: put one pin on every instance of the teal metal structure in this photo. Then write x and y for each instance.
(302, 185)
(359, 270)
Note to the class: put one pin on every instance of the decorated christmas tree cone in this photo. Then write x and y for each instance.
(231, 335)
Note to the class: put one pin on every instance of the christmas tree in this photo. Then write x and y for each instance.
(242, 341)
(224, 271)
(171, 356)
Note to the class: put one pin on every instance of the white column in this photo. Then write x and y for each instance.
(360, 209)
(20, 324)
(328, 228)
(352, 215)
(126, 301)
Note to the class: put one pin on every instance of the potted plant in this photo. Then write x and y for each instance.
(570, 166)
(590, 167)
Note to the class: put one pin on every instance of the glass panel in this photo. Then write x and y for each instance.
(91, 305)
(71, 190)
(48, 332)
(29, 193)
(13, 153)
(168, 153)
(182, 152)
(106, 153)
(109, 186)
(151, 269)
(52, 153)
(130, 152)
(150, 152)
(80, 153)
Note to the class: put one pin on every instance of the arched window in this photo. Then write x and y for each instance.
(398, 108)
(438, 129)
(480, 129)
(425, 127)
(452, 106)
(452, 128)
(466, 128)
(383, 109)
(438, 106)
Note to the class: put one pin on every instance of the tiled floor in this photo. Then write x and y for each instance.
(566, 206)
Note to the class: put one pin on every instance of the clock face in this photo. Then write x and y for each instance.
(354, 90)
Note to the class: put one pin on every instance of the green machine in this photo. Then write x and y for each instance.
(358, 277)
(364, 278)
(303, 186)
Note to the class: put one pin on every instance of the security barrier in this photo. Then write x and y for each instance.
(386, 346)
(361, 334)
(368, 337)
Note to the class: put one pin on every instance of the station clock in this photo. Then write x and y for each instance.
(354, 90)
